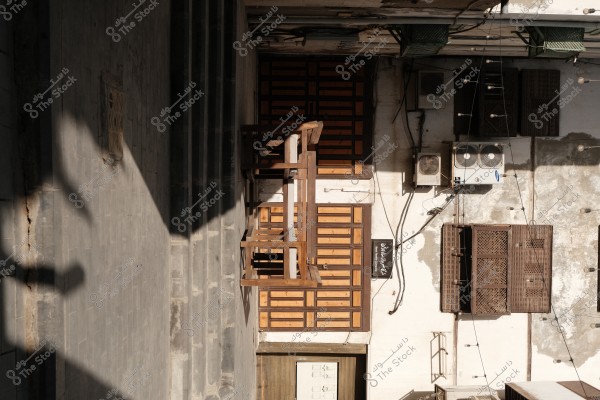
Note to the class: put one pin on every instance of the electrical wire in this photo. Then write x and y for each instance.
(485, 17)
(402, 103)
(475, 93)
(400, 271)
(382, 204)
(529, 230)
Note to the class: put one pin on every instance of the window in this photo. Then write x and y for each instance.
(532, 102)
(342, 303)
(496, 269)
(310, 87)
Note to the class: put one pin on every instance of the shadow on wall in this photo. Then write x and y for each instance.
(36, 368)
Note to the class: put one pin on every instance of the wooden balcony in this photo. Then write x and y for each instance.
(282, 257)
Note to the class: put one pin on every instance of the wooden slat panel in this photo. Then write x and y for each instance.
(317, 91)
(333, 306)
(490, 270)
(532, 268)
(452, 255)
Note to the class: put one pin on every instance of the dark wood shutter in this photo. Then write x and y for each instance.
(491, 270)
(532, 268)
(453, 252)
(539, 87)
(463, 104)
(320, 93)
(500, 268)
(492, 100)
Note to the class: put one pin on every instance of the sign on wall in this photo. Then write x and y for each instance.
(316, 380)
(383, 253)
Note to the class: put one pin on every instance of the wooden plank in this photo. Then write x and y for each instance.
(316, 276)
(277, 283)
(317, 348)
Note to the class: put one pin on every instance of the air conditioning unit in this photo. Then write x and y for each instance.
(465, 393)
(477, 163)
(430, 90)
(428, 169)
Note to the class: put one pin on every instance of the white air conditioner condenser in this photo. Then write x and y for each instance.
(477, 163)
(428, 169)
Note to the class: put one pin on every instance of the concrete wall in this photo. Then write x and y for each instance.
(544, 176)
(122, 340)
(213, 321)
(97, 277)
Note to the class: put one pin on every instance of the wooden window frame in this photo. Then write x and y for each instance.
(310, 103)
(528, 275)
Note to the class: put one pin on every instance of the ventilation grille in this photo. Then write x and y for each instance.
(465, 155)
(490, 156)
(429, 165)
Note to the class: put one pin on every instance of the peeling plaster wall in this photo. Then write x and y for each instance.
(551, 170)
(565, 7)
(560, 171)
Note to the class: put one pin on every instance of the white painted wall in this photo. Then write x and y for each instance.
(502, 341)
(565, 7)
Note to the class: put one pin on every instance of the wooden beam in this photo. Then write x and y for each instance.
(278, 283)
(318, 348)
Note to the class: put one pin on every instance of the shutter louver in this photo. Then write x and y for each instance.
(539, 89)
(507, 267)
(453, 251)
(532, 272)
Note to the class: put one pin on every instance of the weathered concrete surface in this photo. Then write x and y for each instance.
(121, 240)
(547, 170)
(213, 321)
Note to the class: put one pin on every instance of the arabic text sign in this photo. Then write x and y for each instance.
(382, 258)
